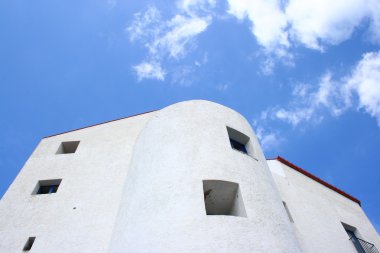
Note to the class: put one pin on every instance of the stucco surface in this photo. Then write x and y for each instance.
(162, 207)
(136, 185)
(318, 213)
(92, 181)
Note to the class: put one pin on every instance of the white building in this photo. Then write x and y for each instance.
(188, 178)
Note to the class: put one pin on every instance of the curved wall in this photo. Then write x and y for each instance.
(162, 207)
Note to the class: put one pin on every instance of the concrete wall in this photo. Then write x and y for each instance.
(92, 182)
(162, 207)
(318, 213)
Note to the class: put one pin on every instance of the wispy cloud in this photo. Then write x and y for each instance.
(182, 30)
(278, 26)
(169, 38)
(269, 139)
(203, 61)
(145, 26)
(149, 70)
(267, 66)
(360, 89)
(180, 76)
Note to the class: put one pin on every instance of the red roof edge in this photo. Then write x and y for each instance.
(99, 124)
(304, 172)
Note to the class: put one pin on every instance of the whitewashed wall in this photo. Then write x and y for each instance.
(318, 213)
(92, 182)
(135, 185)
(162, 207)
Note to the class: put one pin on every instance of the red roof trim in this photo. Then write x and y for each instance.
(98, 124)
(304, 172)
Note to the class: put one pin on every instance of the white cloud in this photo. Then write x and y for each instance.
(170, 38)
(268, 20)
(180, 32)
(360, 89)
(365, 84)
(279, 24)
(374, 6)
(145, 26)
(268, 139)
(310, 101)
(149, 70)
(165, 37)
(294, 116)
(318, 22)
(267, 66)
(194, 7)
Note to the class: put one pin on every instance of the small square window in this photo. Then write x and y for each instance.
(223, 198)
(238, 140)
(68, 147)
(29, 243)
(47, 186)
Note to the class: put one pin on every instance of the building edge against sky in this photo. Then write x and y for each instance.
(187, 178)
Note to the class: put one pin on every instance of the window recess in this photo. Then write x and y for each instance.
(47, 186)
(238, 140)
(68, 147)
(223, 198)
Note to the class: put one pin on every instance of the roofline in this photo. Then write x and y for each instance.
(109, 121)
(308, 174)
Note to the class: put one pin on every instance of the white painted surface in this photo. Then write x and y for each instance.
(318, 211)
(135, 185)
(276, 168)
(92, 182)
(162, 207)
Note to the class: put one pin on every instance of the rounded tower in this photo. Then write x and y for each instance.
(199, 182)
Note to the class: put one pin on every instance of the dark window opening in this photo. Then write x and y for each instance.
(238, 140)
(360, 245)
(29, 244)
(223, 198)
(47, 186)
(238, 146)
(46, 189)
(355, 240)
(68, 147)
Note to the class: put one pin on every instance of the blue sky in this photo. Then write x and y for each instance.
(305, 75)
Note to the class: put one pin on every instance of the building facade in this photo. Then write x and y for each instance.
(187, 178)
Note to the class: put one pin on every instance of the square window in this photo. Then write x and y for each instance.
(47, 186)
(223, 198)
(29, 243)
(68, 147)
(238, 140)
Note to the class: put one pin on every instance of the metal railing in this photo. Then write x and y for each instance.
(363, 246)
